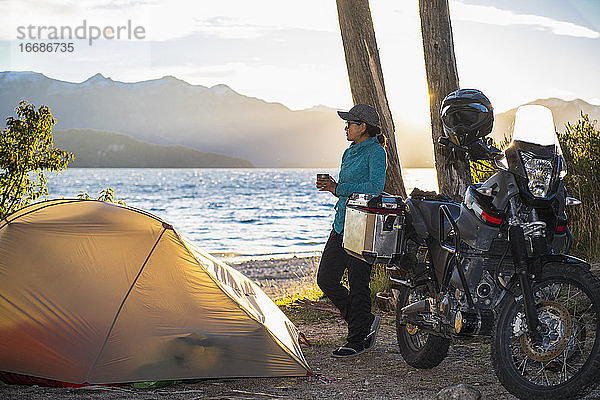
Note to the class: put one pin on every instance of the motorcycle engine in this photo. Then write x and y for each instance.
(484, 290)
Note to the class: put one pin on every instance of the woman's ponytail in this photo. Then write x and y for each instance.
(375, 131)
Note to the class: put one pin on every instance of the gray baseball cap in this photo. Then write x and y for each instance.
(362, 113)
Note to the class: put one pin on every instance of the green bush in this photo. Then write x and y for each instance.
(580, 143)
(482, 170)
(26, 151)
(107, 195)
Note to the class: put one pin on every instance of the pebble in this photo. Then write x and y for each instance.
(458, 392)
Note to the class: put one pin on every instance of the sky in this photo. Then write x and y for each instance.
(291, 52)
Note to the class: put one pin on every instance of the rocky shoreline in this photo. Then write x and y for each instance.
(279, 276)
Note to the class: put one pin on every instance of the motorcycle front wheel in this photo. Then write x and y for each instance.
(418, 348)
(566, 363)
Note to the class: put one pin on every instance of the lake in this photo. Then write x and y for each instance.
(239, 213)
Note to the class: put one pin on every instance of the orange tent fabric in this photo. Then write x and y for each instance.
(100, 293)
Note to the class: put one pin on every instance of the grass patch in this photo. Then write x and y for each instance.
(380, 281)
(580, 143)
(307, 289)
(304, 288)
(308, 315)
(290, 296)
(583, 222)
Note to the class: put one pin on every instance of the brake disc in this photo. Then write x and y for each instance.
(557, 323)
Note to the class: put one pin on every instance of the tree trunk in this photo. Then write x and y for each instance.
(453, 171)
(366, 79)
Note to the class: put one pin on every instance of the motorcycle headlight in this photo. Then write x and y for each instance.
(539, 174)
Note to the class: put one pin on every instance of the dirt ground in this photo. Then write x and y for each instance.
(379, 373)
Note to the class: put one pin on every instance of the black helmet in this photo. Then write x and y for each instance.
(467, 115)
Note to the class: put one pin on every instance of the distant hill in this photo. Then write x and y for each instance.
(170, 111)
(562, 110)
(105, 149)
(415, 145)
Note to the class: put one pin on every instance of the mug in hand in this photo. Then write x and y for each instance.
(322, 177)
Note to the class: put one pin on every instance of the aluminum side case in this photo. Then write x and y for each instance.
(374, 227)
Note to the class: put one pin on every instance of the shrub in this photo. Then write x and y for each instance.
(107, 195)
(484, 169)
(580, 143)
(26, 151)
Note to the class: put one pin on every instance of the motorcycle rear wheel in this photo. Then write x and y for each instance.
(418, 348)
(566, 364)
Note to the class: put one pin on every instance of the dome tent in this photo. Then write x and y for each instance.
(93, 292)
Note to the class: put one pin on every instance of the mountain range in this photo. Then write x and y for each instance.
(112, 150)
(110, 123)
(562, 111)
(169, 111)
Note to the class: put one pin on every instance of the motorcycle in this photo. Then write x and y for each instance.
(496, 266)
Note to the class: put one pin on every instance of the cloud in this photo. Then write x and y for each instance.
(173, 19)
(495, 16)
(239, 19)
(229, 28)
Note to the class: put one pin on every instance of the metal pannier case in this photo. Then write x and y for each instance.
(374, 227)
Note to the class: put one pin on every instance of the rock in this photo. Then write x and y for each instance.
(385, 301)
(458, 392)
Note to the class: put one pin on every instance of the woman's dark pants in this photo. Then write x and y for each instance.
(355, 305)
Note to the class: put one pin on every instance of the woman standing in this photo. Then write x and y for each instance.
(362, 171)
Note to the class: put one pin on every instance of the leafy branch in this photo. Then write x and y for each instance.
(26, 151)
(107, 195)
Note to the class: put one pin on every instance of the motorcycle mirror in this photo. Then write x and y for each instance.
(571, 201)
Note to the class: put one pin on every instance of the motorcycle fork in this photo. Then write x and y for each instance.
(517, 241)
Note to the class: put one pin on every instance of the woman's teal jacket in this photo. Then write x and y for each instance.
(362, 171)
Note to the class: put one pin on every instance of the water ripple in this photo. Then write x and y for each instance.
(241, 211)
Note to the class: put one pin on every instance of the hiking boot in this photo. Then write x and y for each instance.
(372, 336)
(349, 350)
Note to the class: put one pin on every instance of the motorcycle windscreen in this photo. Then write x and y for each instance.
(534, 145)
(534, 153)
(534, 124)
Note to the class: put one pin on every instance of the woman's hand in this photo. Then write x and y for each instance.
(326, 184)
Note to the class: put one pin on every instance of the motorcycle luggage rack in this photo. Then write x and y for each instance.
(444, 213)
